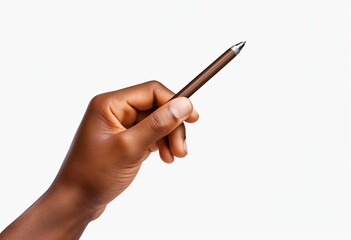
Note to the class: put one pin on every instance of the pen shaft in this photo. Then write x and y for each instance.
(206, 74)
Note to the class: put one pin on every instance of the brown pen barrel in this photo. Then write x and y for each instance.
(206, 74)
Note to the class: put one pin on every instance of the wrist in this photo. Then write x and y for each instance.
(60, 213)
(73, 201)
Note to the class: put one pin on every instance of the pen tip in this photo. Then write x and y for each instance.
(237, 47)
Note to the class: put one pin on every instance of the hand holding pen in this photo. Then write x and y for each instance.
(118, 132)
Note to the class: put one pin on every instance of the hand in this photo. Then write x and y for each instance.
(119, 130)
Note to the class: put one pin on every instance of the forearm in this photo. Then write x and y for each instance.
(59, 214)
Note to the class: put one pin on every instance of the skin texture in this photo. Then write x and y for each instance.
(118, 132)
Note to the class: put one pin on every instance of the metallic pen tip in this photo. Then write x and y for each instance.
(237, 47)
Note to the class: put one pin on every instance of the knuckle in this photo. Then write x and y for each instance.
(122, 140)
(98, 102)
(160, 90)
(154, 84)
(158, 124)
(124, 143)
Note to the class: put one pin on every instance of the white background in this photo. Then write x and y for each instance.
(269, 157)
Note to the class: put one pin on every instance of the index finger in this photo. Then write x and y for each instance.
(146, 95)
(128, 102)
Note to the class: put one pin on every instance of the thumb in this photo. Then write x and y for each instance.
(161, 122)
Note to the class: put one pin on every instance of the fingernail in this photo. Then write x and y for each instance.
(180, 107)
(185, 147)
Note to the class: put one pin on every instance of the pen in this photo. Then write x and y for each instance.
(210, 71)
